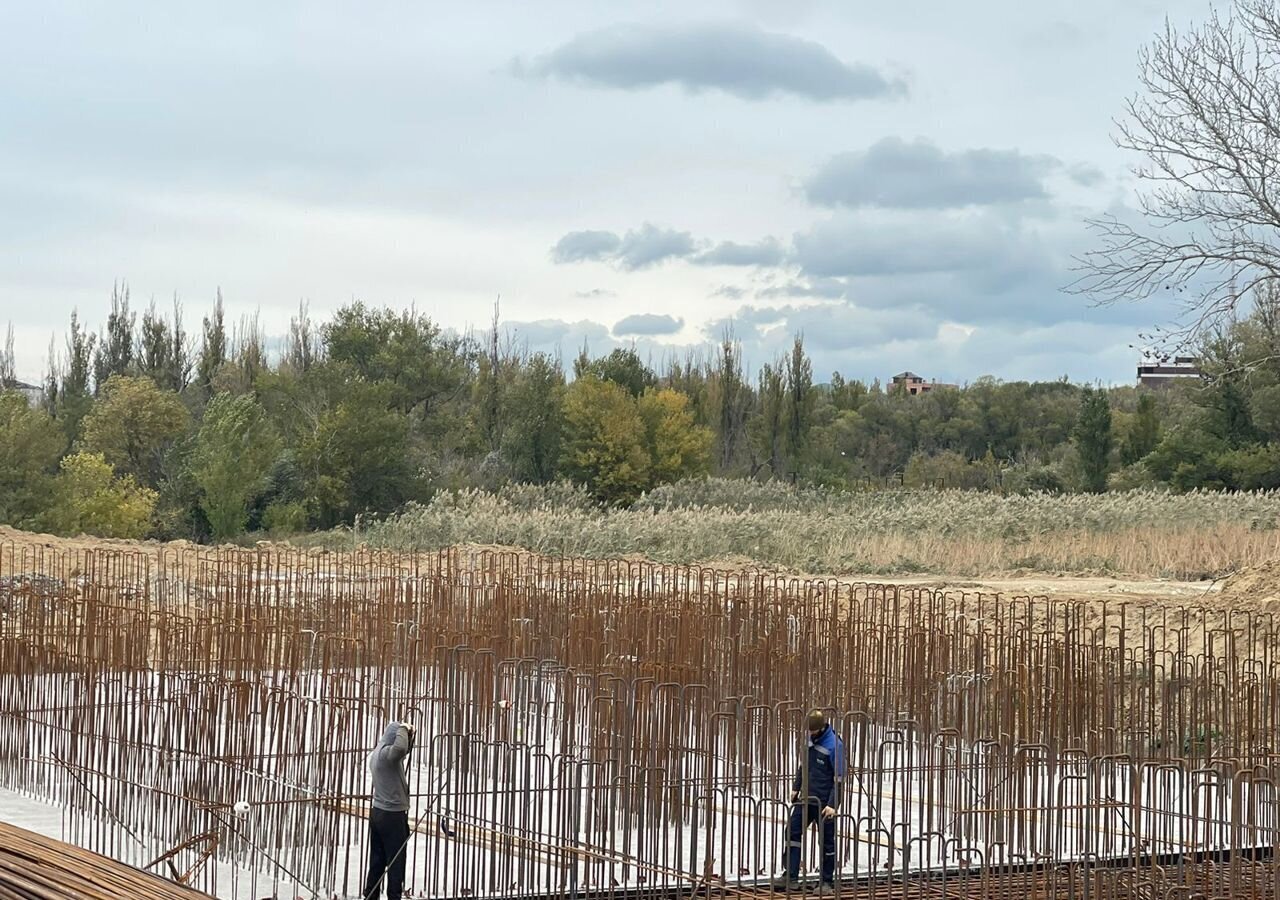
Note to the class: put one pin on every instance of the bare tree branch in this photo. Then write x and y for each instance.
(1208, 126)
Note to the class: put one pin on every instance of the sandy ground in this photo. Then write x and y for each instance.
(1085, 588)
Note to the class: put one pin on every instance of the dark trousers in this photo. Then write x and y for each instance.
(802, 816)
(388, 840)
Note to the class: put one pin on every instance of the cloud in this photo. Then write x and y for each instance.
(859, 246)
(832, 331)
(1056, 35)
(1086, 174)
(649, 245)
(639, 248)
(970, 268)
(767, 252)
(808, 286)
(746, 62)
(647, 324)
(557, 335)
(595, 294)
(894, 173)
(584, 246)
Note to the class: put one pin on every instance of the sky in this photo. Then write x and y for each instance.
(905, 184)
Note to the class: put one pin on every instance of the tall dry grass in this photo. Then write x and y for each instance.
(1140, 533)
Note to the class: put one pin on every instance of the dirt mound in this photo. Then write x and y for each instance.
(1255, 588)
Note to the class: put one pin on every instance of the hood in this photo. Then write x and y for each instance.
(389, 736)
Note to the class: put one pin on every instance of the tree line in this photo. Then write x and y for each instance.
(147, 429)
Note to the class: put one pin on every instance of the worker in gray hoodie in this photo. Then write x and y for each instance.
(389, 818)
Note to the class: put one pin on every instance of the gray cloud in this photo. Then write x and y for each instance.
(556, 335)
(647, 324)
(808, 286)
(639, 248)
(1086, 174)
(829, 328)
(919, 175)
(742, 61)
(649, 245)
(768, 252)
(585, 246)
(858, 246)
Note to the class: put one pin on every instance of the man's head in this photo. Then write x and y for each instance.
(816, 722)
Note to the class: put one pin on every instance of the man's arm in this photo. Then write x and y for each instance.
(838, 766)
(400, 748)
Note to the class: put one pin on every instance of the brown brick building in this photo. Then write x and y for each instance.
(911, 383)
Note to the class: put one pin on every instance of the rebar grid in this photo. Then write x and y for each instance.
(608, 727)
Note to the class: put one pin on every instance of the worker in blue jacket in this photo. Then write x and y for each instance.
(816, 793)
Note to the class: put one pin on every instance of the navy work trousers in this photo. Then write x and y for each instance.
(802, 816)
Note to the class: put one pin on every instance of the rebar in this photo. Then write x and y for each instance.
(38, 868)
(615, 728)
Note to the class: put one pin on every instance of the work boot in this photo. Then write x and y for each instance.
(786, 883)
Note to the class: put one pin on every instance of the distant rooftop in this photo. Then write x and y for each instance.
(1160, 371)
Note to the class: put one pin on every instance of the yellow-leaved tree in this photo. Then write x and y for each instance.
(89, 498)
(677, 446)
(603, 443)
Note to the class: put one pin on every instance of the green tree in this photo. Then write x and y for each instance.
(234, 451)
(533, 410)
(115, 350)
(677, 446)
(846, 395)
(1143, 433)
(622, 366)
(73, 398)
(8, 363)
(354, 452)
(30, 444)
(1264, 407)
(89, 498)
(800, 400)
(770, 419)
(1253, 468)
(133, 424)
(423, 366)
(154, 350)
(213, 347)
(162, 352)
(1092, 436)
(730, 399)
(491, 385)
(1190, 457)
(303, 350)
(604, 440)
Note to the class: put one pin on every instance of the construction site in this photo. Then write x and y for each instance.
(193, 721)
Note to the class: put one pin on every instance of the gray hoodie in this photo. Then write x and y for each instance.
(386, 765)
